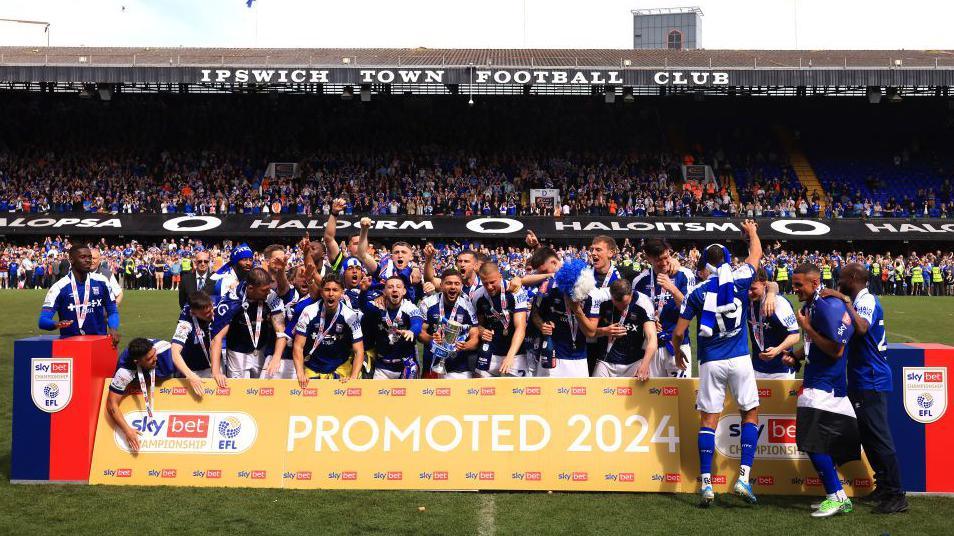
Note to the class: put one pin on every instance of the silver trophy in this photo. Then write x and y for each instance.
(446, 350)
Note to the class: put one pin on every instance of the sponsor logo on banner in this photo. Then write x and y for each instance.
(861, 483)
(441, 475)
(765, 392)
(266, 391)
(169, 473)
(626, 477)
(533, 390)
(767, 480)
(214, 432)
(124, 473)
(925, 393)
(776, 438)
(51, 382)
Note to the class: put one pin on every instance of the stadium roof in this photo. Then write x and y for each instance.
(486, 71)
(520, 58)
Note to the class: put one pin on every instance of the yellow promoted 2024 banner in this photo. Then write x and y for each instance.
(534, 434)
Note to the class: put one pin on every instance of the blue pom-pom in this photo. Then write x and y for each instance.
(575, 278)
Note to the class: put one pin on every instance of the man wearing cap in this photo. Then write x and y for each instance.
(232, 275)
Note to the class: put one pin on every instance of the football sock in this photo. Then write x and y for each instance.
(749, 438)
(828, 474)
(706, 452)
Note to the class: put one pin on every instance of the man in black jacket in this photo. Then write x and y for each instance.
(199, 278)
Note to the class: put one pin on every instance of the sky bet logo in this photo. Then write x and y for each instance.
(308, 391)
(218, 391)
(436, 475)
(394, 391)
(350, 391)
(776, 438)
(665, 391)
(212, 432)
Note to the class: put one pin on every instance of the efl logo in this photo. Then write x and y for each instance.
(812, 481)
(348, 475)
(486, 475)
(781, 430)
(928, 376)
(395, 475)
(266, 391)
(580, 476)
(861, 483)
(440, 475)
(188, 426)
(532, 390)
(353, 391)
(535, 476)
(627, 477)
(673, 477)
(213, 473)
(578, 390)
(65, 368)
(488, 391)
(765, 393)
(309, 391)
(124, 473)
(258, 475)
(223, 391)
(718, 479)
(765, 481)
(169, 473)
(303, 475)
(624, 391)
(670, 391)
(442, 391)
(399, 391)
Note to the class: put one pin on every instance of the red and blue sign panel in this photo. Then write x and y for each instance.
(57, 390)
(921, 421)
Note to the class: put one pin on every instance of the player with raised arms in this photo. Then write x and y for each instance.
(719, 303)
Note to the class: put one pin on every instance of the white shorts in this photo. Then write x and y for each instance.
(774, 375)
(518, 370)
(384, 374)
(242, 365)
(735, 373)
(615, 370)
(665, 364)
(458, 376)
(286, 370)
(566, 368)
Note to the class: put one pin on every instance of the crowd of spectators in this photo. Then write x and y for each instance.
(159, 265)
(210, 155)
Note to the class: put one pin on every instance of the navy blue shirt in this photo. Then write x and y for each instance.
(868, 368)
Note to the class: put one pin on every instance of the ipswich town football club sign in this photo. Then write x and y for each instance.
(925, 393)
(51, 383)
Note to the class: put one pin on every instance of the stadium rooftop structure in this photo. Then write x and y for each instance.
(478, 71)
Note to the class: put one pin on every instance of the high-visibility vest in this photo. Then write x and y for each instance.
(876, 269)
(130, 266)
(782, 274)
(186, 264)
(917, 275)
(936, 274)
(826, 272)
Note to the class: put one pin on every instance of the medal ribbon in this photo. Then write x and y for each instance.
(81, 309)
(148, 395)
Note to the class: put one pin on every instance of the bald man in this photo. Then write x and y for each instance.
(101, 266)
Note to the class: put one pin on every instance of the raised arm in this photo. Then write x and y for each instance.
(366, 258)
(751, 231)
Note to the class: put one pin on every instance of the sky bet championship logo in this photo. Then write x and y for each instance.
(776, 438)
(51, 384)
(925, 393)
(213, 432)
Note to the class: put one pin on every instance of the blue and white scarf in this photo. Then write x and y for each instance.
(720, 294)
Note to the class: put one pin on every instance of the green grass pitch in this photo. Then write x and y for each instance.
(72, 509)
